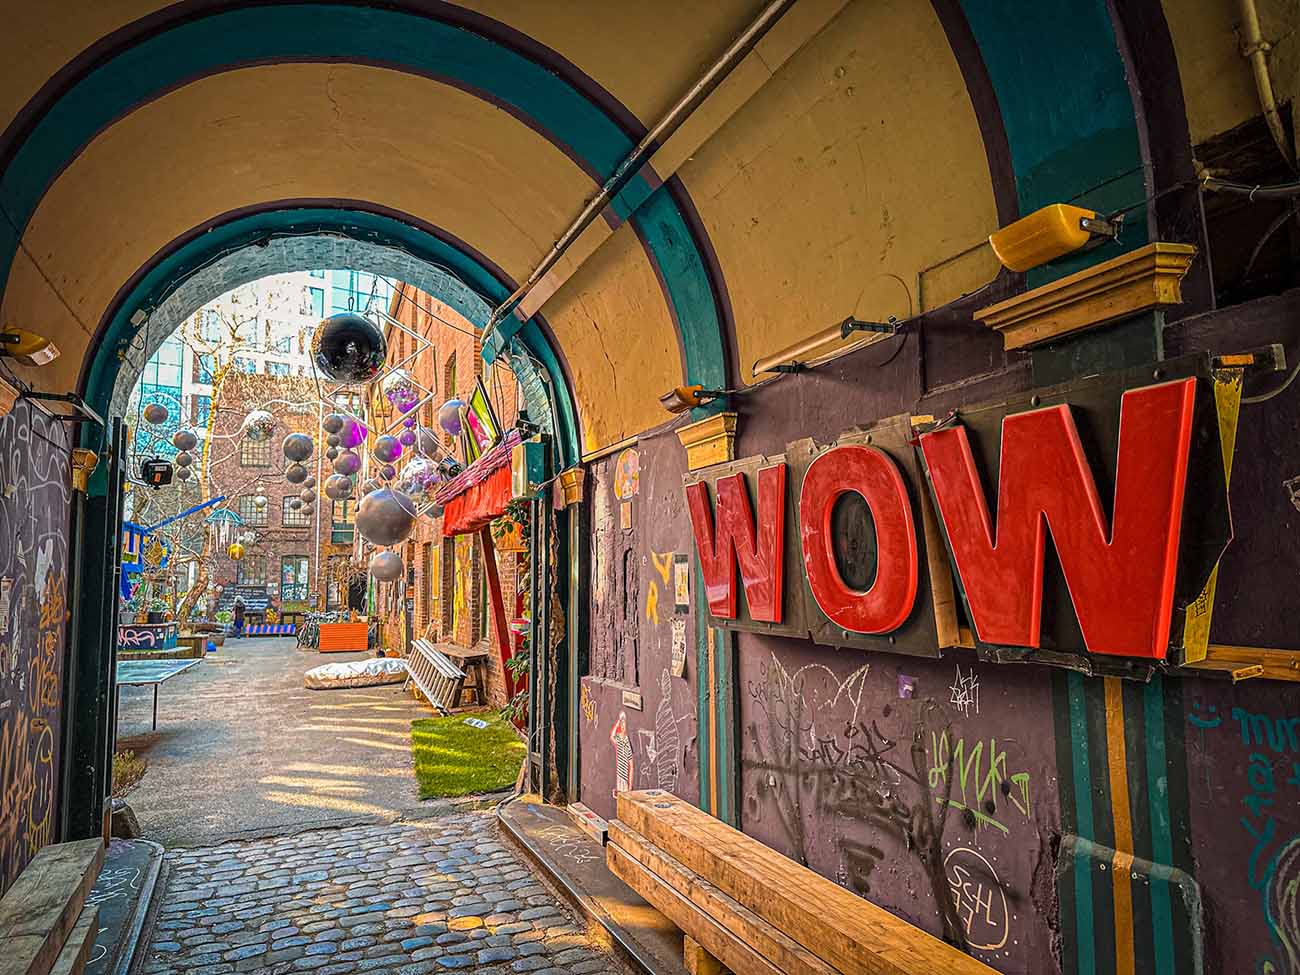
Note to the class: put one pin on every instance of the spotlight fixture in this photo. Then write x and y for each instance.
(27, 347)
(683, 398)
(1054, 231)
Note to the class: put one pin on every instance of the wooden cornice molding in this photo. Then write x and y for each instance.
(571, 482)
(1119, 288)
(709, 441)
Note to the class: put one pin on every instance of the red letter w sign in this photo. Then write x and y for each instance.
(1121, 577)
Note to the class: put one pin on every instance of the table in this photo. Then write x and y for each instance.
(141, 673)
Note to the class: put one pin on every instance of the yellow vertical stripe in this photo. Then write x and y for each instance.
(1123, 890)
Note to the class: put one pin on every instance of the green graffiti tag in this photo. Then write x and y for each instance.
(979, 777)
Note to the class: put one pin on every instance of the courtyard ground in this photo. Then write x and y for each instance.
(242, 748)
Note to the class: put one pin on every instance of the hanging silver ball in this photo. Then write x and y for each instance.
(386, 566)
(310, 482)
(332, 453)
(307, 495)
(338, 487)
(295, 503)
(332, 422)
(183, 459)
(155, 413)
(348, 462)
(332, 440)
(349, 348)
(183, 473)
(184, 440)
(295, 474)
(370, 485)
(385, 517)
(388, 448)
(297, 446)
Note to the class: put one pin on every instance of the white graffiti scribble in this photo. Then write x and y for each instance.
(965, 692)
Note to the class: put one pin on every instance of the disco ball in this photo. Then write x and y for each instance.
(387, 448)
(349, 348)
(338, 487)
(295, 474)
(385, 517)
(353, 434)
(236, 551)
(297, 446)
(386, 566)
(184, 440)
(155, 413)
(449, 416)
(259, 502)
(310, 482)
(183, 473)
(331, 453)
(307, 495)
(258, 426)
(347, 462)
(184, 459)
(406, 438)
(332, 440)
(332, 423)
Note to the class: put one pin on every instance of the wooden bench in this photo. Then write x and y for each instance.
(474, 663)
(45, 926)
(747, 908)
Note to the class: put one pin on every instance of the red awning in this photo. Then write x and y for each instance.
(478, 504)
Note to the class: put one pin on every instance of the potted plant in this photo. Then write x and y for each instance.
(510, 531)
(157, 612)
(224, 617)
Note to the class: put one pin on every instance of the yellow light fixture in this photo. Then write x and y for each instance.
(1054, 231)
(27, 347)
(683, 398)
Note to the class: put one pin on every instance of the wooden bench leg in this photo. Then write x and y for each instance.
(698, 960)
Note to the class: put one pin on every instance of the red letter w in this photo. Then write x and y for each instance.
(1121, 580)
(760, 549)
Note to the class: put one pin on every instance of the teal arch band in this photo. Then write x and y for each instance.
(198, 249)
(538, 95)
(1060, 82)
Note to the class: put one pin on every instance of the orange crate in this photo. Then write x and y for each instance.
(343, 637)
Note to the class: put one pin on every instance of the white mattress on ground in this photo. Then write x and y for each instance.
(356, 673)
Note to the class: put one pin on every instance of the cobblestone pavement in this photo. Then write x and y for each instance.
(410, 898)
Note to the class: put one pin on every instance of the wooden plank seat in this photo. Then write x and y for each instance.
(438, 679)
(745, 907)
(474, 663)
(45, 925)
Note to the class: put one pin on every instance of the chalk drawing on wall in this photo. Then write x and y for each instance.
(965, 692)
(627, 474)
(1284, 903)
(662, 744)
(624, 764)
(979, 898)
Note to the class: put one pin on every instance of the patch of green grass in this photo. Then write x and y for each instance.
(456, 759)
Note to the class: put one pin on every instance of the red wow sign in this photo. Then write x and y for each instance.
(1105, 481)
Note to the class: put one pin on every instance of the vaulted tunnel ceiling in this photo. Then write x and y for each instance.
(847, 166)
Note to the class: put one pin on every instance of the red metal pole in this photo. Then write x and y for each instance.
(504, 644)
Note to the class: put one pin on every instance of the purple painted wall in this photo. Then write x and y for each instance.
(33, 615)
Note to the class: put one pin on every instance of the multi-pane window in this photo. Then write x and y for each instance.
(164, 366)
(293, 577)
(334, 585)
(254, 453)
(282, 344)
(277, 368)
(316, 301)
(210, 325)
(252, 570)
(341, 527)
(426, 584)
(247, 508)
(291, 517)
(244, 364)
(201, 407)
(207, 365)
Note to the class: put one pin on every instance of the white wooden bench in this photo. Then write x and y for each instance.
(438, 679)
(745, 907)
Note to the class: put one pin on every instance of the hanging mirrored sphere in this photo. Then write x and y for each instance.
(155, 413)
(409, 423)
(258, 425)
(331, 453)
(388, 448)
(347, 462)
(449, 416)
(184, 440)
(236, 551)
(349, 348)
(259, 502)
(297, 446)
(295, 503)
(184, 459)
(406, 438)
(386, 566)
(353, 434)
(332, 440)
(310, 482)
(388, 471)
(332, 422)
(385, 517)
(307, 495)
(183, 473)
(429, 445)
(295, 474)
(370, 485)
(338, 487)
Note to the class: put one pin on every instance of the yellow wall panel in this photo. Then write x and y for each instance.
(619, 340)
(857, 166)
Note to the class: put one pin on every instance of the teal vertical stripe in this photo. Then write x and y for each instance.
(1162, 847)
(1083, 823)
(702, 687)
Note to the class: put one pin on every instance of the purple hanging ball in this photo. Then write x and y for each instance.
(353, 433)
(389, 471)
(409, 423)
(406, 438)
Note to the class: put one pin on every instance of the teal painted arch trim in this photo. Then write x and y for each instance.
(594, 135)
(201, 247)
(1061, 84)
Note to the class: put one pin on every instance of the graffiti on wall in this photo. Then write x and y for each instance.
(34, 500)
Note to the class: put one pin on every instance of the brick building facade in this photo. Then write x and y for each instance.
(446, 597)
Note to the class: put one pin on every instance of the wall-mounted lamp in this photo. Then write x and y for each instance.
(793, 358)
(684, 398)
(1054, 231)
(27, 347)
